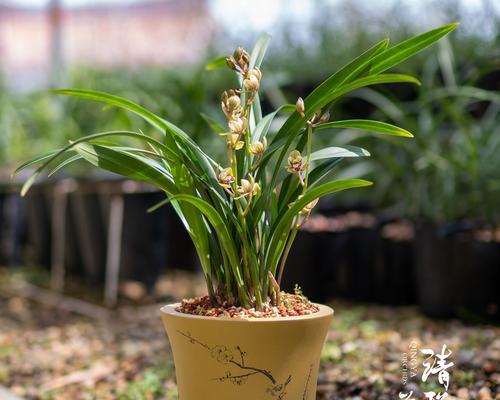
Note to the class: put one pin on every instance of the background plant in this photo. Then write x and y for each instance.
(243, 215)
(450, 171)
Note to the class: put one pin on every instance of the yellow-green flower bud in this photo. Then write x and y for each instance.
(234, 141)
(237, 125)
(231, 104)
(231, 63)
(252, 80)
(324, 118)
(257, 148)
(300, 107)
(241, 56)
(309, 207)
(249, 187)
(251, 84)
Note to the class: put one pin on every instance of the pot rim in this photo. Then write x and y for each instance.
(324, 311)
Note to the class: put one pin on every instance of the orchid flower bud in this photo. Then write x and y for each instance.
(234, 141)
(324, 118)
(230, 103)
(309, 207)
(257, 148)
(249, 187)
(237, 125)
(300, 107)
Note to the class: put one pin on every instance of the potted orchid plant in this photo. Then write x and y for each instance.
(246, 338)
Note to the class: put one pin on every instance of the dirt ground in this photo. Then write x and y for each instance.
(50, 353)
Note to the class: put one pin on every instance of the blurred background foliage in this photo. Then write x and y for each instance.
(449, 171)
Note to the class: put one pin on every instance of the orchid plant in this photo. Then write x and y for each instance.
(243, 214)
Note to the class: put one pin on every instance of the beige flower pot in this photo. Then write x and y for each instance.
(238, 359)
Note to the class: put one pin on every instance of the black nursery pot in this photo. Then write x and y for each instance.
(335, 275)
(143, 255)
(395, 278)
(435, 272)
(478, 270)
(181, 253)
(362, 249)
(303, 265)
(38, 221)
(12, 227)
(88, 216)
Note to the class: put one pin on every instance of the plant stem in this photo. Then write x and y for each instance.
(276, 288)
(227, 272)
(295, 227)
(234, 165)
(308, 161)
(288, 246)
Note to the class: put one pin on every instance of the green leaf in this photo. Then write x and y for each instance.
(256, 110)
(471, 92)
(265, 123)
(402, 51)
(49, 157)
(322, 170)
(367, 125)
(220, 227)
(153, 119)
(315, 177)
(318, 98)
(285, 221)
(66, 162)
(216, 127)
(129, 165)
(35, 160)
(287, 108)
(339, 152)
(218, 62)
(117, 101)
(259, 50)
(285, 141)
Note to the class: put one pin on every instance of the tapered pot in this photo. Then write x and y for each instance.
(246, 359)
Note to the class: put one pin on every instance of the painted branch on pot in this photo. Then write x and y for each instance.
(224, 355)
(306, 388)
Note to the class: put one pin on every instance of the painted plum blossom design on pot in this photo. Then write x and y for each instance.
(239, 371)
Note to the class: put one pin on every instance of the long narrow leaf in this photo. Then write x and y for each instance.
(218, 62)
(259, 50)
(216, 127)
(367, 125)
(339, 152)
(117, 101)
(404, 50)
(63, 164)
(55, 154)
(319, 95)
(220, 227)
(286, 219)
(153, 119)
(128, 165)
(35, 160)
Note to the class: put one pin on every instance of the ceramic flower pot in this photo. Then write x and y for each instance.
(256, 359)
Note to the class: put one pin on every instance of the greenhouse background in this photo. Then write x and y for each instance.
(417, 252)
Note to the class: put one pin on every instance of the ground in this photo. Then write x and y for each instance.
(49, 353)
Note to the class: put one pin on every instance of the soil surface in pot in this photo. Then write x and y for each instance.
(291, 305)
